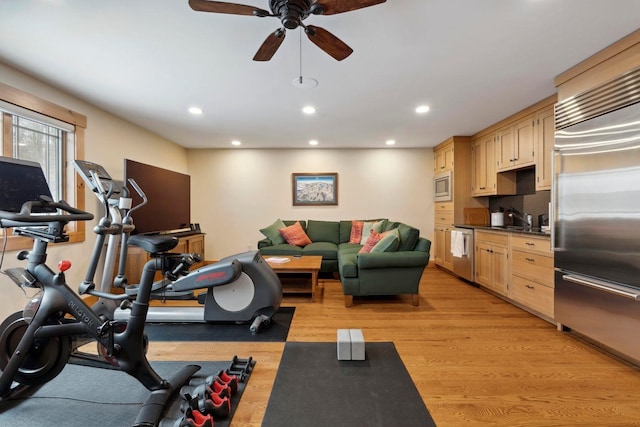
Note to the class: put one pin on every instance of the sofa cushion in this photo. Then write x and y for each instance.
(372, 240)
(408, 237)
(295, 235)
(348, 248)
(272, 232)
(368, 226)
(327, 250)
(390, 225)
(281, 249)
(356, 232)
(323, 231)
(389, 242)
(345, 231)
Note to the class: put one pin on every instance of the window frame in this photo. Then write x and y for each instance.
(72, 148)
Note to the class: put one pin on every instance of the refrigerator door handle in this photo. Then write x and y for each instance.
(555, 163)
(603, 286)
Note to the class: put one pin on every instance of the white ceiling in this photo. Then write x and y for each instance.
(474, 62)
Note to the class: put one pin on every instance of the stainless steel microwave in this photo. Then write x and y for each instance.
(442, 187)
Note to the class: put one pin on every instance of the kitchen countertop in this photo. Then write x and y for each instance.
(508, 229)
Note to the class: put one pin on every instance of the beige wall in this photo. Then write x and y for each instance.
(108, 140)
(236, 192)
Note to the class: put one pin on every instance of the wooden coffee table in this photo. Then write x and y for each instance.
(308, 264)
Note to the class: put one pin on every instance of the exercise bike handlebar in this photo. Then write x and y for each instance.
(27, 216)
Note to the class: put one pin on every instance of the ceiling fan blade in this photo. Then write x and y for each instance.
(224, 7)
(270, 45)
(331, 7)
(328, 42)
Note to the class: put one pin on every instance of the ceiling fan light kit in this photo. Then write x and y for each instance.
(304, 82)
(291, 14)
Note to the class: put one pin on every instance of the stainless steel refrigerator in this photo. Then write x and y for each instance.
(596, 211)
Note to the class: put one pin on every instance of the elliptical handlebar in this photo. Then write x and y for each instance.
(141, 193)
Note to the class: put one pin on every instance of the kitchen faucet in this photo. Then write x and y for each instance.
(526, 219)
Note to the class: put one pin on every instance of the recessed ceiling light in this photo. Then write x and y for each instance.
(422, 109)
(196, 111)
(309, 109)
(236, 142)
(390, 142)
(313, 142)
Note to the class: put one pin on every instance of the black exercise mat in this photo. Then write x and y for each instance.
(82, 396)
(313, 388)
(277, 331)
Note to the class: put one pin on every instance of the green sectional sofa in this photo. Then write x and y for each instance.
(394, 271)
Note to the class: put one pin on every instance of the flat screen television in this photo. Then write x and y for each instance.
(168, 209)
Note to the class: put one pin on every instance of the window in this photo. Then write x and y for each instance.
(38, 130)
(40, 143)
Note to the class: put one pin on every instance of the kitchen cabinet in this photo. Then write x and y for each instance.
(516, 145)
(485, 179)
(492, 260)
(532, 281)
(454, 155)
(443, 157)
(544, 131)
(444, 218)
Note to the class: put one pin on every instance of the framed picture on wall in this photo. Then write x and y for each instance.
(315, 189)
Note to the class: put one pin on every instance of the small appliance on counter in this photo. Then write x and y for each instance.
(497, 219)
(543, 223)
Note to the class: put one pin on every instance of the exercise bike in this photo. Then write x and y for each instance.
(36, 344)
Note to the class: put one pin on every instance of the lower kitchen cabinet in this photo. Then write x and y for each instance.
(532, 281)
(442, 254)
(492, 260)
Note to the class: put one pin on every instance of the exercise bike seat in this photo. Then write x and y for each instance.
(154, 244)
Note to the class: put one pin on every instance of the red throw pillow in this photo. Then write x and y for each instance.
(295, 235)
(374, 238)
(356, 232)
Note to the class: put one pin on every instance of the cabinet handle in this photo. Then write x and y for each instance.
(530, 259)
(530, 244)
(530, 287)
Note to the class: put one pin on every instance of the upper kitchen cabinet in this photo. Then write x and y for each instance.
(443, 157)
(544, 138)
(521, 141)
(516, 147)
(485, 180)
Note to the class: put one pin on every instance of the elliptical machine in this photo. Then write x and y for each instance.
(253, 297)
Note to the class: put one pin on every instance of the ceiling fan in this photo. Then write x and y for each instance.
(291, 13)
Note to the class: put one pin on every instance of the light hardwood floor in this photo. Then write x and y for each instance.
(475, 359)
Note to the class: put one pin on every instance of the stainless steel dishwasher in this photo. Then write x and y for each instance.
(462, 250)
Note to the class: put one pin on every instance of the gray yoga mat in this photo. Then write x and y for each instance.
(313, 388)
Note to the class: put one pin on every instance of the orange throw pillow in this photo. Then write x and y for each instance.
(374, 238)
(356, 232)
(295, 235)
